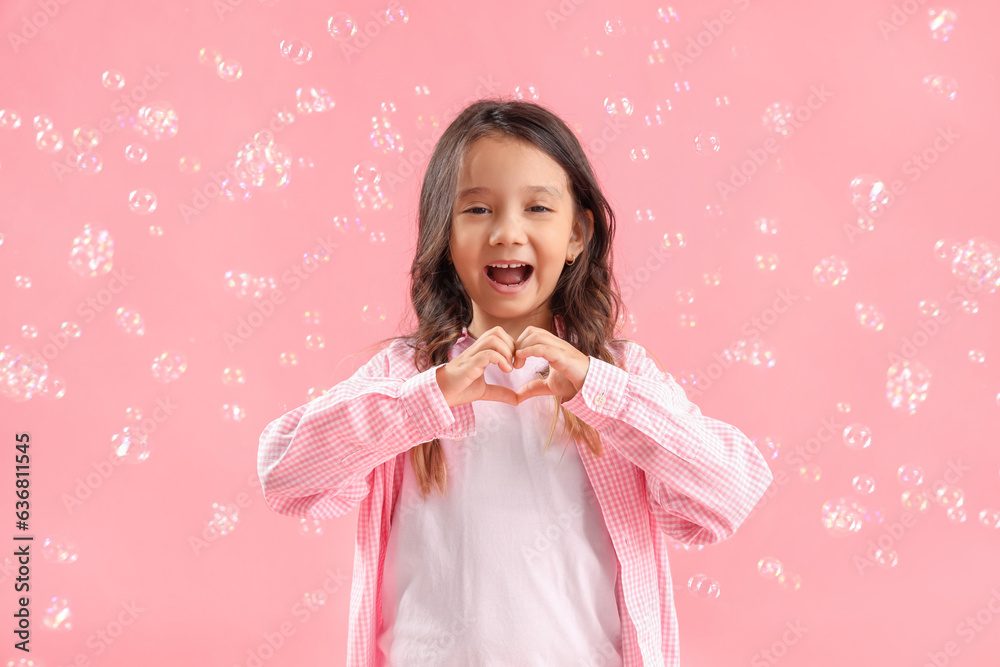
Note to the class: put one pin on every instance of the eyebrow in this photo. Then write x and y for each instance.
(530, 189)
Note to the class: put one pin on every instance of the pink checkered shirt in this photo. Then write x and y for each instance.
(667, 471)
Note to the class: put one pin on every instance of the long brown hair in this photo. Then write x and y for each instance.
(586, 294)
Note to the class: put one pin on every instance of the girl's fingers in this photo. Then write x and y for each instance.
(501, 394)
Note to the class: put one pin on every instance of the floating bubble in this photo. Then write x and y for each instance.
(830, 272)
(367, 173)
(224, 520)
(766, 225)
(886, 558)
(57, 551)
(869, 316)
(246, 286)
(942, 22)
(914, 499)
(57, 615)
(9, 119)
(790, 582)
(674, 240)
(614, 27)
(842, 516)
(527, 92)
(131, 445)
(777, 117)
(310, 528)
(229, 70)
(22, 374)
(130, 321)
(342, 26)
(86, 138)
(49, 141)
(314, 99)
(667, 14)
(168, 366)
(655, 119)
(53, 388)
(910, 475)
(869, 195)
(89, 163)
(189, 164)
(864, 484)
(644, 215)
(384, 136)
(907, 384)
(618, 104)
(315, 342)
(136, 153)
(92, 252)
(857, 436)
(929, 307)
(157, 121)
(71, 329)
(768, 262)
(957, 514)
(233, 412)
(209, 56)
(296, 51)
(977, 263)
(370, 197)
(990, 518)
(639, 154)
(949, 496)
(142, 201)
(233, 376)
(314, 600)
(768, 446)
(703, 586)
(769, 568)
(810, 473)
(396, 15)
(942, 86)
(707, 143)
(372, 313)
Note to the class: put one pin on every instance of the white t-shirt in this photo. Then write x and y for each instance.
(514, 565)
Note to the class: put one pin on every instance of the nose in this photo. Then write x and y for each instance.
(507, 228)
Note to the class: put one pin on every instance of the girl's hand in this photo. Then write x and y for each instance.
(567, 365)
(461, 379)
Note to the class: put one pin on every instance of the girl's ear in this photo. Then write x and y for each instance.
(577, 238)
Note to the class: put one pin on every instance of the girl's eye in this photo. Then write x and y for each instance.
(483, 208)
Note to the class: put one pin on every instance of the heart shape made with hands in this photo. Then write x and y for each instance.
(567, 368)
(554, 383)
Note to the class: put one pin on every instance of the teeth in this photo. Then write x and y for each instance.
(507, 266)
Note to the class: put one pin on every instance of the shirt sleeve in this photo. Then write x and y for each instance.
(316, 461)
(703, 476)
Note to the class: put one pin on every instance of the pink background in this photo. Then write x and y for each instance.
(696, 76)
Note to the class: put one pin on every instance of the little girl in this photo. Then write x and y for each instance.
(476, 544)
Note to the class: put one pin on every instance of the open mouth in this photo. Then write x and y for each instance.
(510, 276)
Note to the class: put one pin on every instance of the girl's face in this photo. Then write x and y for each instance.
(513, 205)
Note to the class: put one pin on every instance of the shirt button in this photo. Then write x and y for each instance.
(599, 399)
